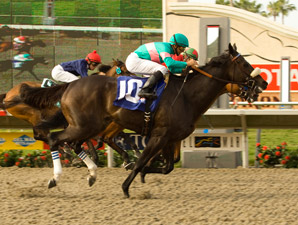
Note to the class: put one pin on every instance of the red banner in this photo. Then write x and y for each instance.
(271, 73)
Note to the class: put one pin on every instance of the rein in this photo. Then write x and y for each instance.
(216, 78)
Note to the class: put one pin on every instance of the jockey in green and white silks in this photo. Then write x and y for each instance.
(148, 59)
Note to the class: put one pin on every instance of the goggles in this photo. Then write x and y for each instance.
(94, 63)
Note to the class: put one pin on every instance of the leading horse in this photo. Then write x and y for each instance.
(174, 119)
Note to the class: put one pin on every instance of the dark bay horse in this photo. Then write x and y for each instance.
(27, 67)
(12, 103)
(174, 119)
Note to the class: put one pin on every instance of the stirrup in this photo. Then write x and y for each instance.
(147, 95)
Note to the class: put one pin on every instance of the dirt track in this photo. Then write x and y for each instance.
(185, 196)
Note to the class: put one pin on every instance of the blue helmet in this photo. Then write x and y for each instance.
(179, 39)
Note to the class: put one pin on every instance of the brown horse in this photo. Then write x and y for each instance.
(12, 103)
(7, 45)
(182, 103)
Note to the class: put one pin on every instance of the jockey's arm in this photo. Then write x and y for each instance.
(174, 66)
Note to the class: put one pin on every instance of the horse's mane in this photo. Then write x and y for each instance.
(214, 62)
(104, 68)
(218, 60)
(42, 97)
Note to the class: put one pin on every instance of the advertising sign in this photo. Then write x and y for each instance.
(271, 73)
(19, 140)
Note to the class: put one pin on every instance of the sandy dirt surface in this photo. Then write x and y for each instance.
(185, 196)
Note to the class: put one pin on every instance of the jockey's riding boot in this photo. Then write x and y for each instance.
(147, 89)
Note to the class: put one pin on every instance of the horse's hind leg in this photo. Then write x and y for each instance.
(126, 164)
(128, 140)
(89, 163)
(70, 135)
(92, 151)
(169, 157)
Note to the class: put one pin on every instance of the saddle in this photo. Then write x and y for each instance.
(127, 97)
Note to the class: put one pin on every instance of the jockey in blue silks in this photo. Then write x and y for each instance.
(73, 70)
(148, 59)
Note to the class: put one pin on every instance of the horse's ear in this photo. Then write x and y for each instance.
(231, 49)
(235, 47)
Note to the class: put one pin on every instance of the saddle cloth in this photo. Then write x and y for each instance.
(127, 93)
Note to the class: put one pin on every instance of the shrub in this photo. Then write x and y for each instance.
(270, 157)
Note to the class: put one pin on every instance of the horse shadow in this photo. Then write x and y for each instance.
(27, 66)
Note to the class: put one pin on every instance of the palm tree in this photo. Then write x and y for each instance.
(222, 2)
(242, 4)
(274, 9)
(285, 8)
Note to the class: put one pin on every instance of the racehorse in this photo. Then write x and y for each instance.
(7, 45)
(182, 103)
(27, 66)
(12, 103)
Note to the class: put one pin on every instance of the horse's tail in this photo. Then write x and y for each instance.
(42, 97)
(2, 96)
(56, 121)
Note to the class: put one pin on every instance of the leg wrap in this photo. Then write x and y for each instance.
(56, 164)
(90, 164)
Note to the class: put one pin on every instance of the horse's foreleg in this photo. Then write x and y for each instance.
(19, 73)
(149, 152)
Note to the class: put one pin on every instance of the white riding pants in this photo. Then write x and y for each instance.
(59, 74)
(143, 66)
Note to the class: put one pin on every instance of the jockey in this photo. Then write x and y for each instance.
(72, 70)
(148, 59)
(20, 59)
(22, 45)
(190, 53)
(19, 42)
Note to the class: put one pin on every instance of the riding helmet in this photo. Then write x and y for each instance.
(179, 39)
(93, 57)
(191, 53)
(20, 39)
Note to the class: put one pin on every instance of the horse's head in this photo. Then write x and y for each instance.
(120, 67)
(41, 60)
(39, 43)
(246, 81)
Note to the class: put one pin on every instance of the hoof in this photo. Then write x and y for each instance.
(52, 183)
(143, 178)
(126, 194)
(91, 180)
(129, 166)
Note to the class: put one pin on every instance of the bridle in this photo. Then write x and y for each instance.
(247, 88)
